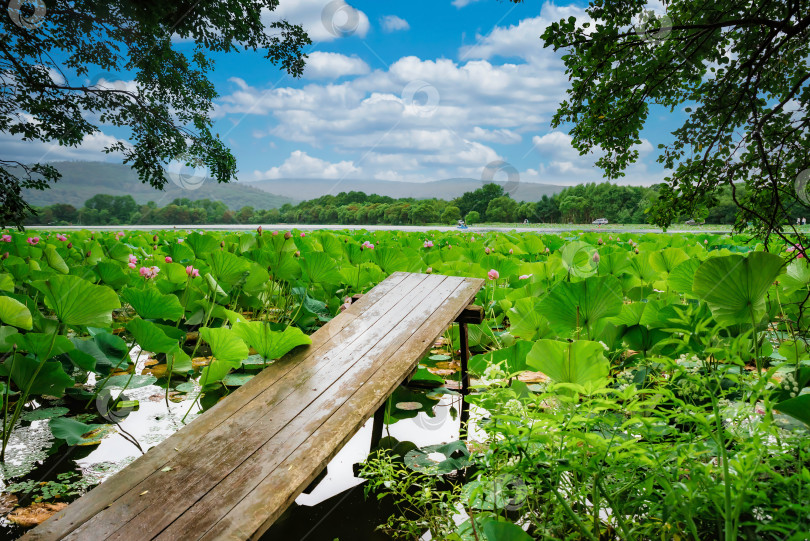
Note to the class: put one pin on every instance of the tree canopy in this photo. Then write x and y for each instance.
(737, 70)
(50, 51)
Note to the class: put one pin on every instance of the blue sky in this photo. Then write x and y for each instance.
(419, 91)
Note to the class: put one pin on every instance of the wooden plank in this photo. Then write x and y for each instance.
(243, 481)
(214, 454)
(383, 295)
(255, 512)
(471, 314)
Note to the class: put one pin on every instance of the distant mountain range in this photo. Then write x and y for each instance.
(82, 180)
(309, 188)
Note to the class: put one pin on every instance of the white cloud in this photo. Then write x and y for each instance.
(523, 39)
(322, 65)
(323, 20)
(302, 165)
(425, 119)
(462, 3)
(392, 23)
(90, 149)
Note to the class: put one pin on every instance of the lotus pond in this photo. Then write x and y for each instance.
(625, 386)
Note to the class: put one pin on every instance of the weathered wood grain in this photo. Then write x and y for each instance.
(236, 468)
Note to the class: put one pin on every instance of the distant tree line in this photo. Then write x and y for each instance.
(582, 203)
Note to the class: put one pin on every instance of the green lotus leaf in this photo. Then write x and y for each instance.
(735, 286)
(55, 260)
(228, 349)
(77, 433)
(15, 313)
(201, 244)
(268, 343)
(438, 459)
(682, 277)
(580, 362)
(44, 378)
(496, 530)
(44, 346)
(572, 305)
(511, 359)
(526, 321)
(227, 268)
(6, 282)
(77, 301)
(319, 268)
(150, 337)
(798, 408)
(112, 274)
(150, 303)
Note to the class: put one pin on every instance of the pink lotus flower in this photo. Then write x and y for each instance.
(510, 251)
(706, 241)
(367, 245)
(132, 259)
(191, 271)
(596, 257)
(32, 240)
(547, 250)
(472, 239)
(428, 244)
(149, 272)
(791, 249)
(179, 240)
(303, 234)
(429, 270)
(600, 241)
(275, 233)
(493, 274)
(486, 250)
(259, 230)
(6, 238)
(524, 276)
(610, 237)
(131, 265)
(168, 259)
(61, 237)
(635, 250)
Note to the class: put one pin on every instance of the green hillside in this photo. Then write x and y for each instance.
(82, 180)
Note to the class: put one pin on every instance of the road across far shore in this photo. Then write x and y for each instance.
(531, 228)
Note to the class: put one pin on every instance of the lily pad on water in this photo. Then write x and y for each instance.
(409, 406)
(78, 433)
(440, 357)
(438, 459)
(44, 413)
(186, 387)
(236, 380)
(137, 381)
